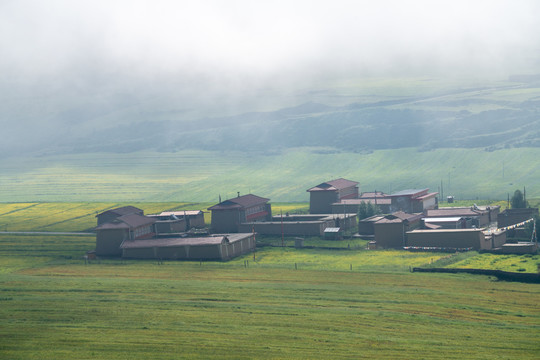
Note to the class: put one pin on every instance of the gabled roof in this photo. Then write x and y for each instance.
(240, 202)
(427, 196)
(372, 195)
(400, 216)
(186, 241)
(124, 210)
(129, 221)
(334, 185)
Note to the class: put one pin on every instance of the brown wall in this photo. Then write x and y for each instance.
(312, 228)
(197, 221)
(366, 227)
(497, 239)
(108, 241)
(320, 202)
(300, 227)
(390, 235)
(515, 216)
(225, 221)
(348, 193)
(237, 248)
(170, 226)
(449, 239)
(224, 251)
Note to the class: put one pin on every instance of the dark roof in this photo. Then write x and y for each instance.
(372, 195)
(372, 219)
(333, 185)
(191, 241)
(244, 201)
(129, 221)
(124, 210)
(400, 216)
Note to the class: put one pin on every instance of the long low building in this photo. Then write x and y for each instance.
(300, 225)
(450, 238)
(215, 247)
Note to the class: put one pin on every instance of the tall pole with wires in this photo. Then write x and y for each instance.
(282, 235)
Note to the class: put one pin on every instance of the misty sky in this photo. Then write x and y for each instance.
(53, 50)
(266, 38)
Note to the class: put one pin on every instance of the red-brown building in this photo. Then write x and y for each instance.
(216, 247)
(112, 214)
(476, 216)
(322, 196)
(413, 200)
(514, 216)
(110, 235)
(229, 214)
(391, 230)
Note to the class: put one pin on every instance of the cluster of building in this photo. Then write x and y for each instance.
(412, 219)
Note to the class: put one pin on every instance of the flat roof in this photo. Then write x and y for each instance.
(443, 219)
(409, 192)
(181, 213)
(444, 230)
(519, 244)
(379, 200)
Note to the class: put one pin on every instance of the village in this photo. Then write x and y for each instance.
(410, 220)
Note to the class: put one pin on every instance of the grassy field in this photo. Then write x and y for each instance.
(81, 216)
(277, 303)
(279, 175)
(58, 308)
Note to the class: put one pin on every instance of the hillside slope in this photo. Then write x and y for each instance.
(507, 115)
(192, 175)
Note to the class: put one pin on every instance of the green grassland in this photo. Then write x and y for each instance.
(71, 216)
(281, 175)
(276, 303)
(57, 307)
(81, 216)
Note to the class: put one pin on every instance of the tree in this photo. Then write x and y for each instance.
(517, 201)
(367, 209)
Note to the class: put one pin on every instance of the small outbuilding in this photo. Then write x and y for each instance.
(333, 233)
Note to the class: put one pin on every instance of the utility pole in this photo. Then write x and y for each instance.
(442, 191)
(282, 235)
